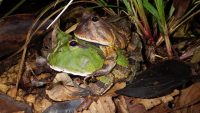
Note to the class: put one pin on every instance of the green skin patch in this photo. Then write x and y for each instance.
(122, 60)
(79, 59)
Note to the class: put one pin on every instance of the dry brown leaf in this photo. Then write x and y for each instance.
(188, 97)
(9, 105)
(12, 92)
(104, 104)
(60, 93)
(162, 108)
(150, 103)
(3, 88)
(121, 105)
(13, 32)
(117, 86)
(196, 56)
(63, 77)
(41, 104)
(30, 98)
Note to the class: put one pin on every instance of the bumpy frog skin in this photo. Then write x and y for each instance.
(74, 56)
(94, 29)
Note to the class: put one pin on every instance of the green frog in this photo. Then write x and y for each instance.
(110, 39)
(75, 56)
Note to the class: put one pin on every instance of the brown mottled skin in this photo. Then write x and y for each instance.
(94, 29)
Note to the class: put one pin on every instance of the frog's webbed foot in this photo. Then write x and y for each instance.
(107, 67)
(104, 71)
(101, 84)
(90, 78)
(109, 85)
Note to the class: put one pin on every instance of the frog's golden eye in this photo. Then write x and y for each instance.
(95, 18)
(73, 43)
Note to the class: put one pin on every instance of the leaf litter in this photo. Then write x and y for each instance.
(42, 92)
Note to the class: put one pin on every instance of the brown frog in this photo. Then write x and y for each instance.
(110, 39)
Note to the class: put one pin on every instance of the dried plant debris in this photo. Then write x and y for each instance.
(131, 84)
(122, 104)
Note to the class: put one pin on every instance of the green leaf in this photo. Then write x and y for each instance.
(161, 13)
(122, 60)
(151, 9)
(128, 7)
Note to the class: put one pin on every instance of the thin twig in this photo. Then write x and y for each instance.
(60, 14)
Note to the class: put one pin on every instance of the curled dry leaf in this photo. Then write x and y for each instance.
(65, 89)
(150, 103)
(104, 104)
(63, 77)
(61, 92)
(121, 104)
(133, 103)
(41, 104)
(189, 99)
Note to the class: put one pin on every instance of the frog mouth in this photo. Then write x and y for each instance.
(88, 39)
(70, 72)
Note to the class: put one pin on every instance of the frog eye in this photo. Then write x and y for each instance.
(73, 43)
(95, 18)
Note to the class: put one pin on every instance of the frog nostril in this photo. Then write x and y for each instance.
(95, 18)
(73, 43)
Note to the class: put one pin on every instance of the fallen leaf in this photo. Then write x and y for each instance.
(8, 105)
(150, 103)
(104, 104)
(60, 92)
(63, 77)
(12, 92)
(117, 86)
(4, 88)
(162, 108)
(41, 104)
(121, 105)
(189, 99)
(196, 56)
(30, 98)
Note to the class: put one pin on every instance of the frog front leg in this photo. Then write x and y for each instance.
(109, 63)
(106, 70)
